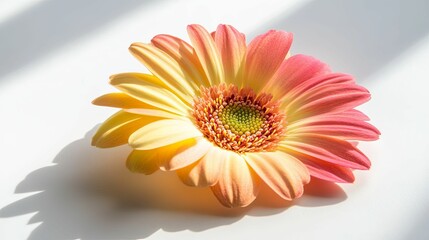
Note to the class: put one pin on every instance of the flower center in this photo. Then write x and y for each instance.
(239, 120)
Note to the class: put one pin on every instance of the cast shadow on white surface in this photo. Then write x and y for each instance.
(357, 37)
(51, 24)
(419, 231)
(89, 194)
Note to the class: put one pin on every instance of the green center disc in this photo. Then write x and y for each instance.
(241, 119)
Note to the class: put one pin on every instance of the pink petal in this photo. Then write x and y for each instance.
(345, 127)
(293, 72)
(207, 52)
(232, 47)
(184, 54)
(237, 185)
(332, 98)
(326, 171)
(264, 56)
(308, 85)
(281, 172)
(206, 171)
(327, 149)
(352, 113)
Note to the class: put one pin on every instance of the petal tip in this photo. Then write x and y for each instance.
(93, 143)
(94, 102)
(191, 27)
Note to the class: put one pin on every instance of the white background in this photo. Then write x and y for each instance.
(56, 56)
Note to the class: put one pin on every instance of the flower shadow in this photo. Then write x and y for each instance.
(89, 194)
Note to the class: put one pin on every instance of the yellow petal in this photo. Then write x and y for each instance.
(154, 112)
(189, 155)
(281, 172)
(119, 100)
(168, 70)
(148, 161)
(206, 171)
(146, 89)
(184, 54)
(116, 129)
(145, 162)
(237, 185)
(207, 52)
(161, 133)
(132, 105)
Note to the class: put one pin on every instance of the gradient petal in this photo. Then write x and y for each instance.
(146, 89)
(327, 149)
(183, 53)
(206, 171)
(264, 56)
(207, 52)
(161, 133)
(232, 47)
(116, 129)
(284, 174)
(166, 68)
(237, 185)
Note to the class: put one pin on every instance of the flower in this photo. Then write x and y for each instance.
(233, 116)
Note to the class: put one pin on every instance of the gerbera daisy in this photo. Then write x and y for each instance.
(233, 116)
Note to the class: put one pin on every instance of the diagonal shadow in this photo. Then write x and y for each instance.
(420, 230)
(89, 194)
(51, 24)
(355, 36)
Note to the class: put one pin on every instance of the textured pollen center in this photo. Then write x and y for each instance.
(239, 120)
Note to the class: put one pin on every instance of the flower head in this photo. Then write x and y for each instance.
(233, 116)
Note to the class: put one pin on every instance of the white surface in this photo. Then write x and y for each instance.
(56, 57)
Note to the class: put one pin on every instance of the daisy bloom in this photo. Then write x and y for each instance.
(234, 116)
